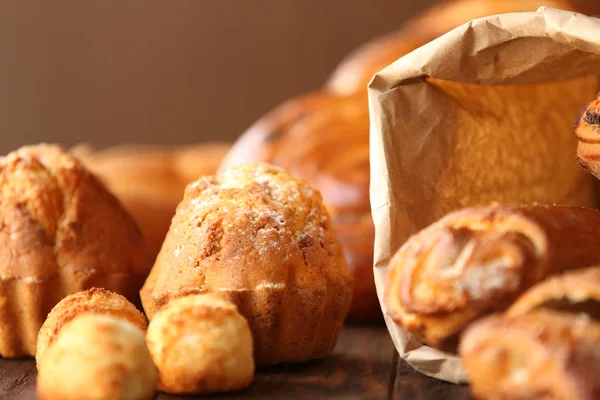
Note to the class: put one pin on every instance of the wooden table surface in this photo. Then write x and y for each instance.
(364, 366)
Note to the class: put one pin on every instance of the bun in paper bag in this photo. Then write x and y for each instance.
(356, 70)
(481, 115)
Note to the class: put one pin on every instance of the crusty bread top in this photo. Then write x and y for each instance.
(57, 218)
(157, 171)
(355, 71)
(321, 138)
(251, 227)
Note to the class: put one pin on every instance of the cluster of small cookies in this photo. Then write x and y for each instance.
(95, 342)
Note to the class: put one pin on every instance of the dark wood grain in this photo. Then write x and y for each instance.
(17, 379)
(364, 366)
(410, 384)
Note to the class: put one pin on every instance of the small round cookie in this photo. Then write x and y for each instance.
(201, 344)
(95, 300)
(97, 357)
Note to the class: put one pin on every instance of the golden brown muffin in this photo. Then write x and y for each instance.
(62, 232)
(325, 139)
(150, 180)
(262, 239)
(97, 357)
(355, 71)
(201, 344)
(96, 301)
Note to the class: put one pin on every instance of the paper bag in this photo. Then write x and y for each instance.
(483, 114)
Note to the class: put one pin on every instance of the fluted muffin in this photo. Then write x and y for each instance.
(324, 139)
(92, 301)
(201, 344)
(150, 180)
(97, 357)
(62, 232)
(263, 240)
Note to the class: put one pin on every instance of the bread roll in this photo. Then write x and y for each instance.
(201, 344)
(263, 240)
(476, 261)
(355, 71)
(150, 180)
(325, 140)
(62, 232)
(542, 354)
(546, 344)
(97, 357)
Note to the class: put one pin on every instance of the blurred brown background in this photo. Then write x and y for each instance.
(181, 71)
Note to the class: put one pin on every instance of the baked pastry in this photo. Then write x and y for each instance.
(99, 357)
(355, 71)
(150, 180)
(546, 344)
(263, 240)
(476, 261)
(542, 354)
(587, 129)
(96, 301)
(575, 292)
(201, 344)
(62, 232)
(325, 139)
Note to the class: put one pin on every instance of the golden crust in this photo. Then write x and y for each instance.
(577, 290)
(62, 232)
(263, 240)
(97, 301)
(476, 261)
(324, 139)
(542, 354)
(97, 357)
(150, 180)
(201, 344)
(355, 71)
(587, 129)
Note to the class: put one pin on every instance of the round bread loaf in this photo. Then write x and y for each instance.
(263, 240)
(150, 180)
(324, 139)
(201, 344)
(97, 357)
(62, 232)
(354, 72)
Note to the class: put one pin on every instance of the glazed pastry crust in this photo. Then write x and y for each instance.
(577, 291)
(96, 301)
(97, 357)
(542, 354)
(62, 232)
(263, 240)
(477, 261)
(324, 139)
(587, 129)
(201, 344)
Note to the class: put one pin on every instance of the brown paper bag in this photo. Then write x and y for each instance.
(483, 114)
